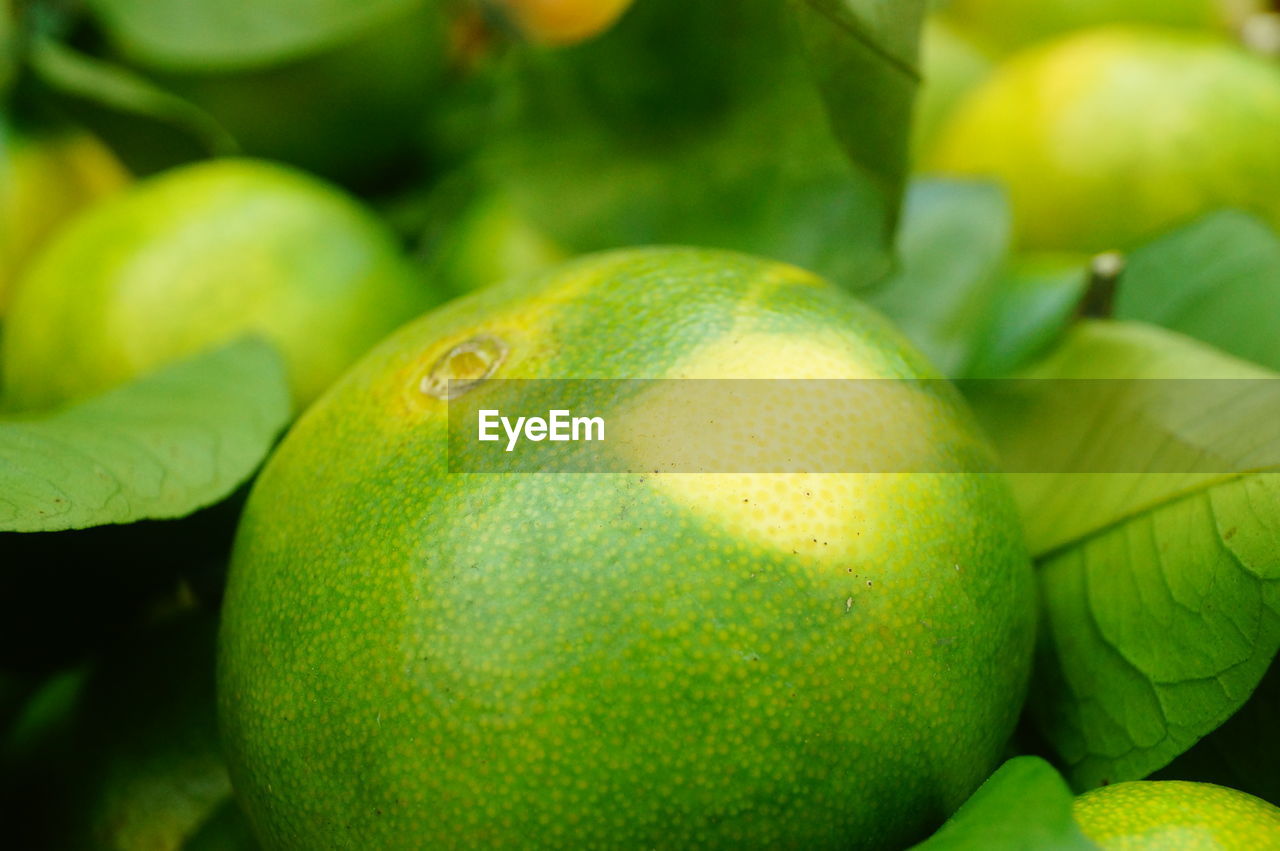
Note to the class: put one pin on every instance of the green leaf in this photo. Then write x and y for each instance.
(1160, 585)
(865, 55)
(951, 247)
(1217, 280)
(163, 446)
(1157, 630)
(699, 124)
(236, 34)
(1229, 755)
(1113, 423)
(9, 49)
(118, 89)
(1024, 806)
(1034, 301)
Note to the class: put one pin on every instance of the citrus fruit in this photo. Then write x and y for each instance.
(197, 256)
(1107, 137)
(413, 657)
(45, 176)
(1010, 24)
(1174, 815)
(560, 22)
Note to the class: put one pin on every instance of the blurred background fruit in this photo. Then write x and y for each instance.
(560, 22)
(1109, 136)
(1006, 25)
(1169, 815)
(197, 256)
(47, 173)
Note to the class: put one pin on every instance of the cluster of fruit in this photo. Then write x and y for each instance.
(254, 256)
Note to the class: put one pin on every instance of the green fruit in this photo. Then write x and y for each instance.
(195, 257)
(1107, 138)
(45, 177)
(1172, 815)
(417, 658)
(1010, 24)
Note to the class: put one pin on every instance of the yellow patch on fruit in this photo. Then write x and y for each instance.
(796, 440)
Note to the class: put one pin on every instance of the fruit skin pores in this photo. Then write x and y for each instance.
(1162, 815)
(416, 657)
(1108, 137)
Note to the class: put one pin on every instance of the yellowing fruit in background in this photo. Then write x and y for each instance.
(562, 22)
(1110, 136)
(198, 256)
(809, 660)
(46, 175)
(1172, 815)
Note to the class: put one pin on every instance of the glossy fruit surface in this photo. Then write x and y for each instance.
(1111, 136)
(199, 256)
(1173, 815)
(416, 657)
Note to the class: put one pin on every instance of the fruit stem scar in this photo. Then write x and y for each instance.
(464, 367)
